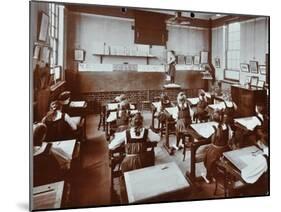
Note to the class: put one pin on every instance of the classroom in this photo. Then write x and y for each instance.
(139, 105)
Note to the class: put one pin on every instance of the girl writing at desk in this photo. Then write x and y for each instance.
(137, 141)
(58, 124)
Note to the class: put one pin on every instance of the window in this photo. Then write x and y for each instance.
(233, 47)
(54, 40)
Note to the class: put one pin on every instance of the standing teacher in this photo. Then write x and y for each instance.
(171, 60)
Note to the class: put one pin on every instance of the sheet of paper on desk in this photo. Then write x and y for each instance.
(48, 196)
(112, 106)
(118, 139)
(64, 148)
(112, 117)
(255, 167)
(77, 103)
(249, 122)
(157, 105)
(173, 111)
(76, 119)
(193, 101)
(44, 199)
(218, 106)
(204, 129)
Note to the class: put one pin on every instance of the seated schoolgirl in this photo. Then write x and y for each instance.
(139, 142)
(59, 124)
(183, 121)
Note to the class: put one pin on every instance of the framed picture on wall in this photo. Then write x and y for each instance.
(262, 69)
(254, 81)
(196, 60)
(188, 60)
(217, 62)
(244, 67)
(261, 84)
(204, 57)
(36, 53)
(43, 27)
(254, 67)
(79, 55)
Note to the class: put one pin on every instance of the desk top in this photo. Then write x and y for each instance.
(157, 105)
(193, 101)
(48, 196)
(114, 106)
(205, 129)
(64, 149)
(221, 105)
(153, 181)
(173, 111)
(76, 120)
(248, 123)
(113, 115)
(234, 156)
(78, 104)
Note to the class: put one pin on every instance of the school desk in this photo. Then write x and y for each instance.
(155, 183)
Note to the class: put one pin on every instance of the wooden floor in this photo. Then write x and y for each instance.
(92, 181)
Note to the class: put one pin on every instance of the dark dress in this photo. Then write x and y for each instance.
(58, 130)
(218, 146)
(172, 71)
(137, 155)
(46, 168)
(184, 119)
(201, 112)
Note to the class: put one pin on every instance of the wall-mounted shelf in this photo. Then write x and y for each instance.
(122, 55)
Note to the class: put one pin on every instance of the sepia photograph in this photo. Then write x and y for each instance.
(122, 112)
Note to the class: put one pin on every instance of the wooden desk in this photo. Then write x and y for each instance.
(171, 114)
(234, 164)
(77, 108)
(48, 196)
(234, 156)
(65, 151)
(193, 101)
(154, 182)
(199, 135)
(247, 98)
(111, 115)
(247, 123)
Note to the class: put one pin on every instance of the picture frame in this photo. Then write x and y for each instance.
(204, 57)
(79, 55)
(43, 27)
(196, 60)
(180, 59)
(188, 60)
(248, 79)
(261, 84)
(262, 69)
(36, 52)
(244, 67)
(254, 81)
(217, 62)
(254, 67)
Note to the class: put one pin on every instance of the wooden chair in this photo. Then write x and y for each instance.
(115, 159)
(226, 177)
